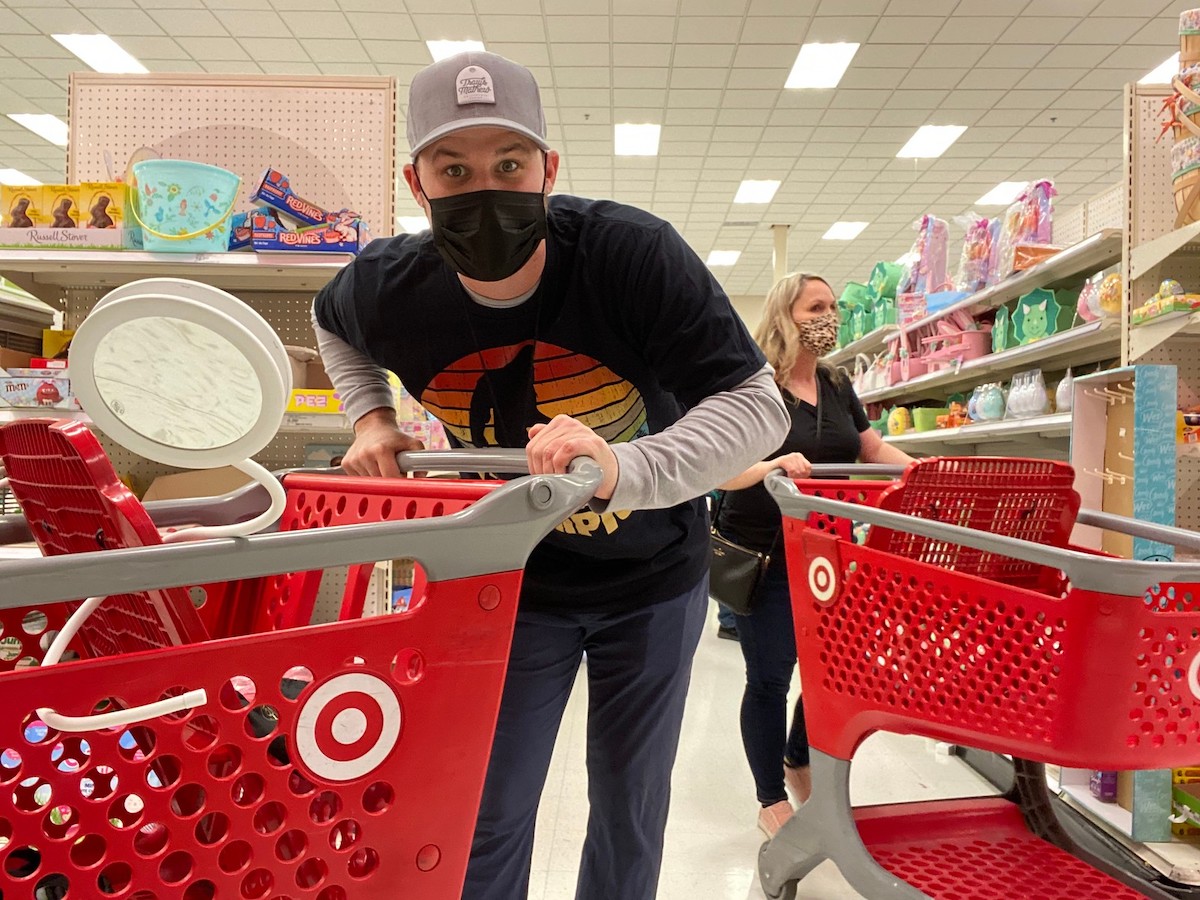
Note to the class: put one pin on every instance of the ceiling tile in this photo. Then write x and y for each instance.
(906, 29)
(512, 28)
(644, 30)
(971, 29)
(383, 26)
(833, 29)
(707, 29)
(576, 29)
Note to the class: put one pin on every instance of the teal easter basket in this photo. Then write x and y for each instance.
(183, 206)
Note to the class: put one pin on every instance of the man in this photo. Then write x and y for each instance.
(573, 328)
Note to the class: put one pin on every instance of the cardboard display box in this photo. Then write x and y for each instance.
(200, 483)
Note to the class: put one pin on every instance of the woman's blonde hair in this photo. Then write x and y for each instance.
(776, 333)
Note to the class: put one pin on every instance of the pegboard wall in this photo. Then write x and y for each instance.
(1105, 210)
(1151, 214)
(1148, 165)
(334, 137)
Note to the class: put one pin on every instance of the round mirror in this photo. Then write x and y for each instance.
(195, 382)
(172, 397)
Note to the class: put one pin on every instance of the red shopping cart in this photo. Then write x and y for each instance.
(967, 616)
(341, 761)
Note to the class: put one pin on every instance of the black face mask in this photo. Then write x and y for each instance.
(488, 235)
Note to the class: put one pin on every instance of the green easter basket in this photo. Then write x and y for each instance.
(884, 280)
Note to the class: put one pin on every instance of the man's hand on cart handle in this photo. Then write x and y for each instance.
(552, 447)
(377, 440)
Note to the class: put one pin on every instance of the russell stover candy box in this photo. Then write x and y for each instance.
(344, 235)
(275, 190)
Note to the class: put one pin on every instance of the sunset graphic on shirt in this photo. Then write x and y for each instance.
(536, 381)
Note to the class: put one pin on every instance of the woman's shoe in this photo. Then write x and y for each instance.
(771, 818)
(799, 782)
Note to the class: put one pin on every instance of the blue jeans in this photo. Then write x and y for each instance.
(726, 617)
(639, 664)
(768, 642)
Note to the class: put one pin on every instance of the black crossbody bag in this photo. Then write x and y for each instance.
(735, 572)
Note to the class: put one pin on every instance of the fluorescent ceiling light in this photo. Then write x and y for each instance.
(820, 65)
(636, 140)
(723, 257)
(43, 125)
(931, 141)
(1003, 194)
(756, 191)
(844, 231)
(14, 178)
(1163, 74)
(441, 49)
(101, 52)
(412, 224)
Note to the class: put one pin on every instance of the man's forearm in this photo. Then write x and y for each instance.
(718, 439)
(363, 386)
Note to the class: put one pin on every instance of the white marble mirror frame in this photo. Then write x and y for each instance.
(111, 314)
(171, 288)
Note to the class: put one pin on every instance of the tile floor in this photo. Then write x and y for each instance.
(712, 842)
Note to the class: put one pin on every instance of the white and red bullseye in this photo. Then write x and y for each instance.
(348, 726)
(822, 580)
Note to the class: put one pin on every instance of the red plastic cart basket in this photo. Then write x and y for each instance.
(338, 762)
(966, 616)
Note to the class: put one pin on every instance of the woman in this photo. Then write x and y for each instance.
(799, 326)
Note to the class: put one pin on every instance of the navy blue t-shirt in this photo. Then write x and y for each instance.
(626, 331)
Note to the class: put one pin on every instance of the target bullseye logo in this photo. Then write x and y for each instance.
(1193, 672)
(348, 726)
(822, 580)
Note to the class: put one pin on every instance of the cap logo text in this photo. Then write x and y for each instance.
(474, 85)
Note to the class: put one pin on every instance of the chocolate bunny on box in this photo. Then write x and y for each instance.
(62, 214)
(17, 215)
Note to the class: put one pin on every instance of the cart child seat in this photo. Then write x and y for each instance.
(75, 503)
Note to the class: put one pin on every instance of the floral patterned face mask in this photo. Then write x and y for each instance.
(818, 336)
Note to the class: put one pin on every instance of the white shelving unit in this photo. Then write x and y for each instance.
(46, 273)
(1088, 343)
(1069, 267)
(1023, 431)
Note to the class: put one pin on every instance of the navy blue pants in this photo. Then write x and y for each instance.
(638, 667)
(768, 641)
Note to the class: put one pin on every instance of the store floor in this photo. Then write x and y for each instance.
(712, 842)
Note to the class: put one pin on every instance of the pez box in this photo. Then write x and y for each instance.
(37, 393)
(305, 401)
(346, 235)
(275, 190)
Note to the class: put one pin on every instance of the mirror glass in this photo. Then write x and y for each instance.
(177, 383)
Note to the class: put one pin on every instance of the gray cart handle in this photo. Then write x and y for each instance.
(495, 534)
(248, 501)
(1095, 573)
(1166, 534)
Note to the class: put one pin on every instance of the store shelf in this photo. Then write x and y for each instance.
(1051, 427)
(1088, 343)
(1155, 333)
(1192, 451)
(317, 423)
(1110, 814)
(44, 272)
(1152, 253)
(870, 343)
(15, 415)
(1069, 267)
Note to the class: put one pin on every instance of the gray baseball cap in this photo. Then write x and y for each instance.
(470, 89)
